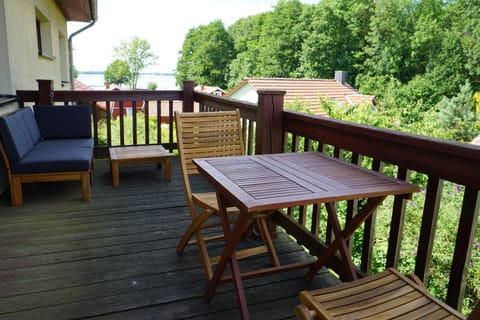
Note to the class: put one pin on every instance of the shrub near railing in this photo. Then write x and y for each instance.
(416, 220)
(156, 134)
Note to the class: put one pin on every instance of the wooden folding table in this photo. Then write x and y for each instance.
(277, 181)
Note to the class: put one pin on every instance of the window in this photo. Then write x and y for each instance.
(39, 37)
(44, 35)
(63, 58)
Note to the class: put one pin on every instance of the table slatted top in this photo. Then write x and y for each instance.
(274, 181)
(138, 152)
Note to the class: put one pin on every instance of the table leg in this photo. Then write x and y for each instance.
(342, 242)
(114, 169)
(346, 233)
(167, 169)
(229, 255)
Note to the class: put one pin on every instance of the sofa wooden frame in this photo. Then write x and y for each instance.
(16, 180)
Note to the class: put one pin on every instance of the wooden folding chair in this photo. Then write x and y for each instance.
(204, 135)
(385, 295)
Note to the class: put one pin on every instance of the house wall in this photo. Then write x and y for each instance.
(5, 79)
(245, 93)
(18, 37)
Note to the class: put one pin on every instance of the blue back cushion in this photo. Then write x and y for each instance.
(64, 122)
(19, 133)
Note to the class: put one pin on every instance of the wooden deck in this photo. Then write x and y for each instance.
(114, 257)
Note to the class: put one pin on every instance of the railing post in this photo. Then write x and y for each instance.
(188, 86)
(45, 92)
(269, 130)
(462, 254)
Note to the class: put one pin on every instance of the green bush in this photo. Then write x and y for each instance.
(128, 131)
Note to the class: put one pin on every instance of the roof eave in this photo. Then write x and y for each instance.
(80, 10)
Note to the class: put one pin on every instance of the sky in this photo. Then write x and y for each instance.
(163, 24)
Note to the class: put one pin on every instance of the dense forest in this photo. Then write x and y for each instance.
(420, 58)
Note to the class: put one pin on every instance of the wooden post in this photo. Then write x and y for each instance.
(45, 92)
(188, 86)
(463, 247)
(269, 133)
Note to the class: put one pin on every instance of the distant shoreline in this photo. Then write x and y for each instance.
(163, 81)
(146, 73)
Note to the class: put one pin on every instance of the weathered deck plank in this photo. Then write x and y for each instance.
(114, 257)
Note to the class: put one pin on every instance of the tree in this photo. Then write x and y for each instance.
(117, 72)
(75, 73)
(206, 54)
(388, 42)
(138, 55)
(245, 34)
(336, 39)
(280, 43)
(458, 114)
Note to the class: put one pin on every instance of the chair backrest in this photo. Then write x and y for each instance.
(207, 134)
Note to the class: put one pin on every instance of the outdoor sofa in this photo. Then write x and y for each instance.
(52, 143)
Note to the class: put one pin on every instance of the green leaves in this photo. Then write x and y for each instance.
(206, 54)
(458, 114)
(137, 54)
(117, 72)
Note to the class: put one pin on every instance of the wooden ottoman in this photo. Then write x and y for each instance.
(149, 154)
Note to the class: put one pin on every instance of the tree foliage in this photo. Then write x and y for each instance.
(245, 34)
(280, 40)
(206, 54)
(410, 54)
(117, 72)
(458, 116)
(138, 55)
(335, 39)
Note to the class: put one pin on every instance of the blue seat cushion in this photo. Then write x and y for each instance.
(19, 133)
(64, 121)
(56, 155)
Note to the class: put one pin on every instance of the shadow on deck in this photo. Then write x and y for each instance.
(114, 257)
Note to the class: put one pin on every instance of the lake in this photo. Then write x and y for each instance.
(163, 81)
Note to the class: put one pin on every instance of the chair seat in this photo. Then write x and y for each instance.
(386, 295)
(208, 200)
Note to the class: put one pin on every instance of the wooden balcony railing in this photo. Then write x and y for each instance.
(268, 128)
(121, 117)
(438, 160)
(118, 110)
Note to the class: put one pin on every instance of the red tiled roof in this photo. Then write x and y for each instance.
(308, 90)
(80, 86)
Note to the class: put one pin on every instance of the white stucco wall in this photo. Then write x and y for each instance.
(5, 72)
(26, 65)
(245, 93)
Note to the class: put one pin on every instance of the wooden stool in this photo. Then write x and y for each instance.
(149, 154)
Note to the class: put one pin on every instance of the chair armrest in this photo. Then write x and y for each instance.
(304, 313)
